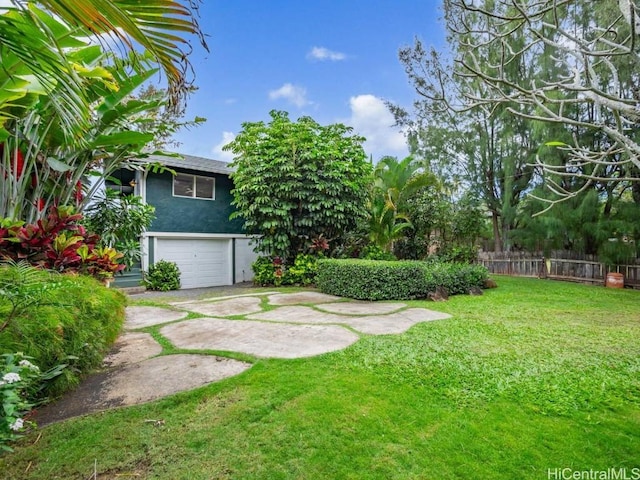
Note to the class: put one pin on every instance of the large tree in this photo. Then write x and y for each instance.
(470, 146)
(587, 55)
(297, 181)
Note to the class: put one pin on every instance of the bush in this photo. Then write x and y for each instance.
(273, 271)
(374, 252)
(372, 279)
(20, 382)
(58, 242)
(302, 272)
(453, 253)
(457, 278)
(400, 280)
(163, 276)
(264, 271)
(61, 319)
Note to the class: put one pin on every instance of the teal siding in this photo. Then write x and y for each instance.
(129, 278)
(192, 215)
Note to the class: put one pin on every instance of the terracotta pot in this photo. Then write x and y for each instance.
(615, 280)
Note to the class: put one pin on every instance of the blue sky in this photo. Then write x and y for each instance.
(332, 60)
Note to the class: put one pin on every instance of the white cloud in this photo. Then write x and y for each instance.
(218, 153)
(292, 93)
(371, 118)
(322, 53)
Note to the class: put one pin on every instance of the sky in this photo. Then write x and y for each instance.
(332, 60)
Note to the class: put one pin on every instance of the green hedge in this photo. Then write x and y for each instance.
(457, 278)
(388, 280)
(64, 316)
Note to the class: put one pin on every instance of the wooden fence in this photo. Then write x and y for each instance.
(559, 265)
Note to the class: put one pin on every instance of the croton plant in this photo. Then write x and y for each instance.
(58, 242)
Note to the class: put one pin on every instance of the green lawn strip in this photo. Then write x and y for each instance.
(531, 376)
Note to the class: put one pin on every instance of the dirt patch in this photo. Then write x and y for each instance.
(140, 383)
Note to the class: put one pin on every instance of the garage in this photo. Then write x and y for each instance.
(202, 262)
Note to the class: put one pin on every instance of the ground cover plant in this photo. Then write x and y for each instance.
(58, 319)
(531, 376)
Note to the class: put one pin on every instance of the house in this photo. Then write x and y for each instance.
(192, 226)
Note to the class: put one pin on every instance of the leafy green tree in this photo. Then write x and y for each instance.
(472, 146)
(296, 181)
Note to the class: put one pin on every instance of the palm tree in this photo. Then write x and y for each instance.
(36, 37)
(395, 182)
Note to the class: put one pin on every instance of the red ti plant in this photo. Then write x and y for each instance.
(58, 242)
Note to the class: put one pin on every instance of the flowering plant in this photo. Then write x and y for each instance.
(18, 378)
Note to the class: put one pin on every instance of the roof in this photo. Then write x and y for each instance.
(191, 162)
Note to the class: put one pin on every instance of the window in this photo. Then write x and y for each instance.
(193, 186)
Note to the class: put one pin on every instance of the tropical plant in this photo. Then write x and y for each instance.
(58, 242)
(62, 319)
(119, 220)
(22, 287)
(296, 181)
(67, 110)
(162, 275)
(395, 183)
(55, 28)
(17, 376)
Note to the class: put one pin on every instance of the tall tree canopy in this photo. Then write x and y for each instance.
(531, 94)
(296, 181)
(584, 56)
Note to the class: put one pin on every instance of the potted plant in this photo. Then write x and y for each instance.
(613, 253)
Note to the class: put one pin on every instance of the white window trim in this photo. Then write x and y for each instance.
(173, 185)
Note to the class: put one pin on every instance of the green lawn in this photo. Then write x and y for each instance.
(534, 375)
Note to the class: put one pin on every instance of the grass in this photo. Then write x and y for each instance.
(534, 375)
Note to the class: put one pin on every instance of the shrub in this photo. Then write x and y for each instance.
(273, 271)
(264, 271)
(374, 252)
(454, 253)
(400, 280)
(372, 279)
(457, 278)
(58, 242)
(163, 276)
(302, 272)
(119, 221)
(75, 322)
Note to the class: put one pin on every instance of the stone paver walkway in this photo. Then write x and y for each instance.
(286, 325)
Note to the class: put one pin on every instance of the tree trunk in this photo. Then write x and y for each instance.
(497, 237)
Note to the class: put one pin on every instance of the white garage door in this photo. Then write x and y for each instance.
(202, 262)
